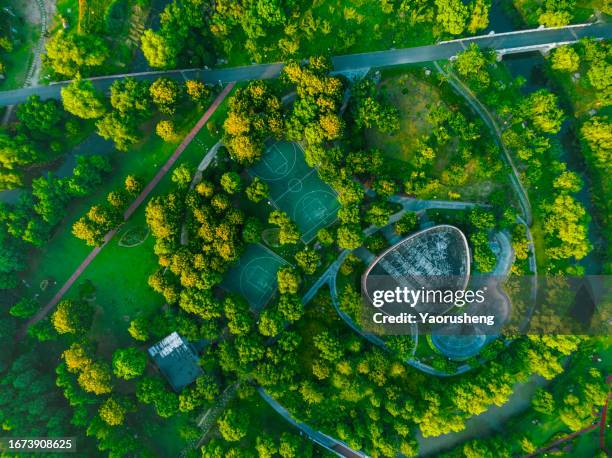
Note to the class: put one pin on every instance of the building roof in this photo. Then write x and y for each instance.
(434, 258)
(177, 360)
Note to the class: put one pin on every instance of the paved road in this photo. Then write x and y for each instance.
(347, 63)
(42, 313)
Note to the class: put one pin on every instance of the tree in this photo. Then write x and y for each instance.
(121, 130)
(565, 59)
(257, 190)
(292, 446)
(112, 411)
(139, 329)
(542, 109)
(197, 91)
(482, 255)
(543, 402)
(350, 236)
(378, 214)
(230, 182)
(251, 231)
(87, 174)
(349, 214)
(72, 53)
(149, 390)
(599, 76)
(167, 405)
(25, 308)
(129, 363)
(288, 280)
(166, 131)
(290, 307)
(165, 93)
(72, 317)
(555, 18)
(385, 187)
(131, 98)
(238, 314)
(81, 99)
(329, 346)
(270, 322)
(96, 378)
(371, 112)
(325, 236)
(132, 185)
(565, 228)
(265, 446)
(407, 223)
(40, 117)
(182, 176)
(451, 15)
(205, 388)
(289, 233)
(158, 50)
(568, 181)
(479, 16)
(233, 425)
(472, 64)
(96, 223)
(308, 260)
(254, 115)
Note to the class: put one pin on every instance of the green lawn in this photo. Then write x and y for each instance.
(119, 274)
(414, 98)
(415, 94)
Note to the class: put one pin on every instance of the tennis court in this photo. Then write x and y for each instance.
(296, 188)
(254, 275)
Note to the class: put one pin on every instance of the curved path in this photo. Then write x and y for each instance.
(335, 446)
(42, 313)
(507, 42)
(487, 117)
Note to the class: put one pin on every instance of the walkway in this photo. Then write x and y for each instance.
(487, 117)
(533, 38)
(335, 446)
(42, 313)
(197, 177)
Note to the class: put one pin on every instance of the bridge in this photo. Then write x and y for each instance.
(503, 43)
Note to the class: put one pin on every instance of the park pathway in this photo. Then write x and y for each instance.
(509, 42)
(489, 120)
(42, 313)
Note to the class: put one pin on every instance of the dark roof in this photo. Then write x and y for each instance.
(177, 360)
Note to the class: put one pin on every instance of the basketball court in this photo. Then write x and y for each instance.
(254, 275)
(296, 189)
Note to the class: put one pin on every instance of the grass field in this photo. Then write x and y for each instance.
(413, 98)
(119, 274)
(415, 94)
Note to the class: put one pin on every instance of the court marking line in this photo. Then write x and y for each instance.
(289, 190)
(277, 178)
(264, 297)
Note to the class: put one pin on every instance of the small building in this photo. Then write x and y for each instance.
(177, 360)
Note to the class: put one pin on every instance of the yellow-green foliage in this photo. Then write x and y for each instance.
(91, 15)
